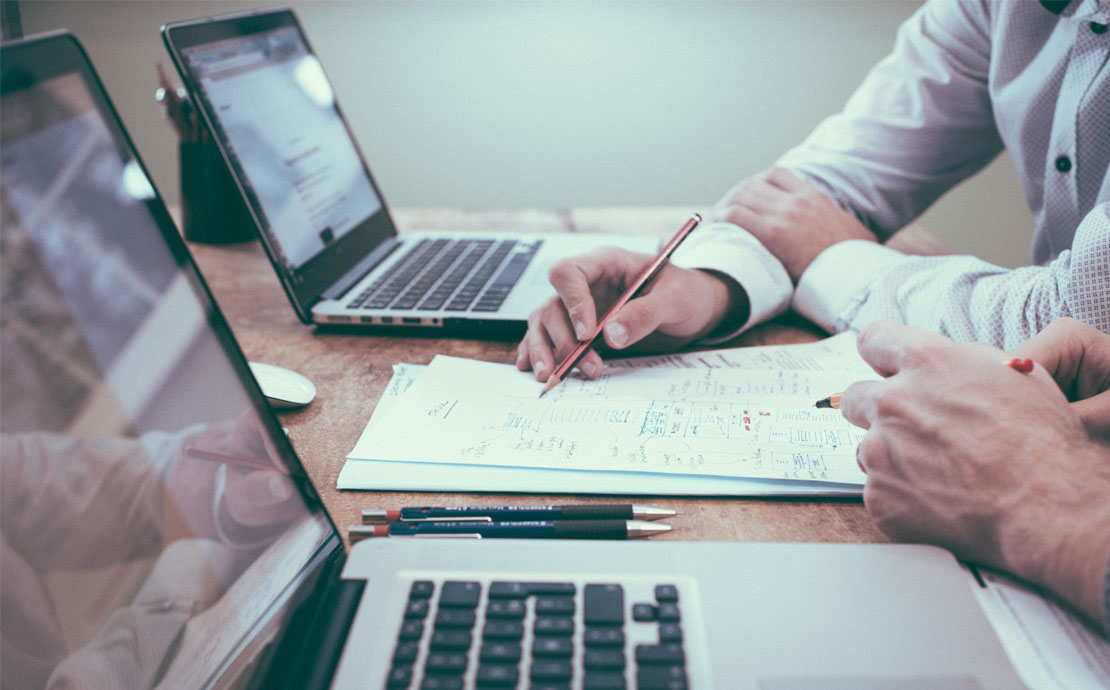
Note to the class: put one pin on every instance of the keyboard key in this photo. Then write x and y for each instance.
(603, 604)
(552, 647)
(668, 613)
(417, 608)
(523, 590)
(506, 608)
(405, 653)
(455, 618)
(411, 630)
(554, 606)
(604, 659)
(442, 683)
(607, 636)
(554, 626)
(666, 594)
(661, 678)
(497, 676)
(603, 680)
(445, 662)
(503, 630)
(459, 595)
(645, 613)
(450, 639)
(500, 652)
(399, 677)
(659, 654)
(670, 632)
(421, 589)
(551, 669)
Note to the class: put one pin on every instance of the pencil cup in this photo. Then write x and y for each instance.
(212, 211)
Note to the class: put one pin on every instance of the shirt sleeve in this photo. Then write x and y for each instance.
(730, 250)
(918, 124)
(853, 283)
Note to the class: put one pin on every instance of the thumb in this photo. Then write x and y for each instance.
(1095, 413)
(638, 319)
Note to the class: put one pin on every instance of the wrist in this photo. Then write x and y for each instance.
(1060, 540)
(731, 306)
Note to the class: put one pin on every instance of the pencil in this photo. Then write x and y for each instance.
(634, 287)
(215, 456)
(1022, 366)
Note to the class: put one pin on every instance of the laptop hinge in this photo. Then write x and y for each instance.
(306, 655)
(356, 272)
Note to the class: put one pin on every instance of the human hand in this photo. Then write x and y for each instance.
(1077, 355)
(678, 306)
(795, 221)
(995, 465)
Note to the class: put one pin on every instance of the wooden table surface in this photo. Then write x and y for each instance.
(351, 371)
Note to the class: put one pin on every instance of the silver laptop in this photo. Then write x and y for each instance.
(323, 220)
(159, 531)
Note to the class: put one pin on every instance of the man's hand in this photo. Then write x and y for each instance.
(792, 219)
(678, 306)
(1077, 355)
(995, 465)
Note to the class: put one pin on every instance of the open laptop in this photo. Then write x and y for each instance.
(322, 219)
(159, 530)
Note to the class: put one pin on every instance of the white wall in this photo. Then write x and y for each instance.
(549, 104)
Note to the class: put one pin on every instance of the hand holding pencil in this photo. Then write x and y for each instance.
(677, 306)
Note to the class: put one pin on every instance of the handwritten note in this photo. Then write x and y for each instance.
(751, 415)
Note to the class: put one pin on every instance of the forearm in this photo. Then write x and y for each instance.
(965, 298)
(1064, 543)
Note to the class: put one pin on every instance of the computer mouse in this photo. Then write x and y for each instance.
(284, 389)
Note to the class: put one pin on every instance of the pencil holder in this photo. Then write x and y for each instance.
(212, 210)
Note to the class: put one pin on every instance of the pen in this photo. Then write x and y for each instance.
(634, 287)
(1022, 366)
(530, 529)
(377, 516)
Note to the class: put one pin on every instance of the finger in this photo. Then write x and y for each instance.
(541, 358)
(523, 361)
(572, 279)
(639, 318)
(1095, 413)
(872, 454)
(887, 345)
(1075, 354)
(857, 403)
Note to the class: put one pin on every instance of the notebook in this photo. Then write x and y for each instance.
(321, 216)
(160, 531)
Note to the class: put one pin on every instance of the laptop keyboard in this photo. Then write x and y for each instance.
(538, 636)
(452, 275)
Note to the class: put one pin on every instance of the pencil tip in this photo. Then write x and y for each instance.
(551, 383)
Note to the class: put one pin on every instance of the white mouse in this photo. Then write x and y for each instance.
(284, 389)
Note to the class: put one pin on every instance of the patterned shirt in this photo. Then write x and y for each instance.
(965, 80)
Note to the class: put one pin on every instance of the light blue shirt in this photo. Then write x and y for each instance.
(965, 80)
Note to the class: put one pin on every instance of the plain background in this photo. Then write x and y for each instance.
(558, 104)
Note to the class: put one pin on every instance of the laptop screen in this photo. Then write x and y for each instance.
(154, 518)
(279, 121)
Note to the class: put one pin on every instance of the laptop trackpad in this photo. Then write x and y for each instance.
(869, 683)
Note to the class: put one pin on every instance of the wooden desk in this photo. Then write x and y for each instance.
(351, 371)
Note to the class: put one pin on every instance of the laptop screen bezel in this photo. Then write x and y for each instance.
(35, 59)
(306, 284)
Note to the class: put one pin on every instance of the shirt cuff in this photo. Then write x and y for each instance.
(836, 283)
(736, 253)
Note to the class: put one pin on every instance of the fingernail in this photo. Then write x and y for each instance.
(589, 369)
(580, 330)
(540, 367)
(616, 333)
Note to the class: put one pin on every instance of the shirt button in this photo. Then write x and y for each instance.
(1098, 28)
(1063, 164)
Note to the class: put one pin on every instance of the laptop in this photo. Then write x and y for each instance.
(160, 532)
(320, 214)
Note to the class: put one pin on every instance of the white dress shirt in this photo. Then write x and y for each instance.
(965, 80)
